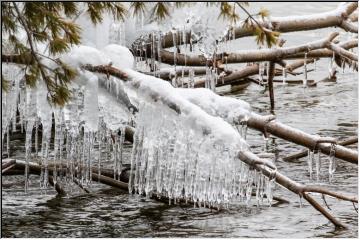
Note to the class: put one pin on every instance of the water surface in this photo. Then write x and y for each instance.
(330, 109)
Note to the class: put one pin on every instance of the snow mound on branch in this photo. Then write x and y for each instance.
(230, 109)
(82, 55)
(149, 86)
(120, 56)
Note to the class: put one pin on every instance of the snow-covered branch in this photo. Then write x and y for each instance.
(333, 18)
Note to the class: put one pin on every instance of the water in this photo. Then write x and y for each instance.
(330, 109)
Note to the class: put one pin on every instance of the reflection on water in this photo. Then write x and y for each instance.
(330, 109)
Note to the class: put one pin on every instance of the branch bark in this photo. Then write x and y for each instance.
(262, 123)
(249, 55)
(270, 85)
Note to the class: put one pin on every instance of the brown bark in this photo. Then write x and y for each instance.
(259, 55)
(270, 85)
(261, 123)
(106, 69)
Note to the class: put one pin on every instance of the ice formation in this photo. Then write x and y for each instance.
(183, 148)
(79, 126)
(187, 153)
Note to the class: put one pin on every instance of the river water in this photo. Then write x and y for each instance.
(330, 109)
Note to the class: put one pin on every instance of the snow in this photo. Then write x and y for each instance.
(82, 55)
(230, 109)
(120, 56)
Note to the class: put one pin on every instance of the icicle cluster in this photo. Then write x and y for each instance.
(191, 82)
(315, 158)
(171, 159)
(305, 71)
(188, 154)
(211, 79)
(117, 33)
(78, 128)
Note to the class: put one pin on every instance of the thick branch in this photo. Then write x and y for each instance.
(288, 133)
(248, 55)
(349, 27)
(317, 189)
(323, 211)
(270, 84)
(342, 52)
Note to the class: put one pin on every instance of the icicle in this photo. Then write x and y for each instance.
(269, 190)
(331, 63)
(284, 75)
(37, 138)
(249, 188)
(318, 166)
(332, 162)
(310, 162)
(305, 71)
(30, 116)
(8, 141)
(28, 145)
(191, 82)
(174, 37)
(226, 65)
(14, 122)
(153, 53)
(57, 139)
(159, 47)
(166, 160)
(213, 80)
(261, 71)
(267, 73)
(121, 149)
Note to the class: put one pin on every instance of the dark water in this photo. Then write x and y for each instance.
(330, 109)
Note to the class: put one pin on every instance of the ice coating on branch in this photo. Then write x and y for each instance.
(230, 109)
(182, 152)
(154, 88)
(183, 148)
